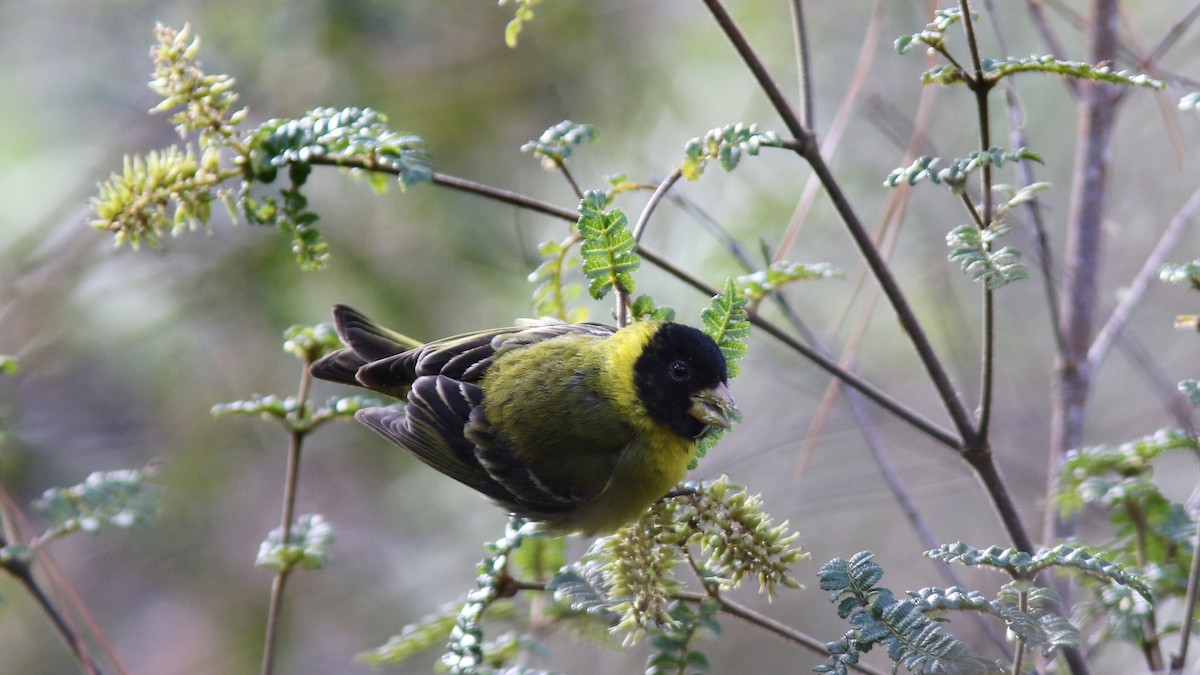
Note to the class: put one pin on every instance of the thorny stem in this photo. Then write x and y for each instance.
(297, 430)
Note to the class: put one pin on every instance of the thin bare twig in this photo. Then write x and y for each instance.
(734, 34)
(803, 65)
(638, 229)
(21, 572)
(1141, 282)
(1175, 32)
(16, 527)
(841, 119)
(1189, 606)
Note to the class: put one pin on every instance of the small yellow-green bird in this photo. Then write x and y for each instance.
(577, 426)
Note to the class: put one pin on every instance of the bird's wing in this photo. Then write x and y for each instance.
(444, 424)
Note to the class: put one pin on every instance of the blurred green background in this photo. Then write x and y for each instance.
(123, 353)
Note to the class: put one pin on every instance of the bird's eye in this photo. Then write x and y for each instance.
(679, 370)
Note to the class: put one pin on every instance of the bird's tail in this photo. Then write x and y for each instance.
(366, 342)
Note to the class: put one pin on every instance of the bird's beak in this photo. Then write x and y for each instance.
(714, 406)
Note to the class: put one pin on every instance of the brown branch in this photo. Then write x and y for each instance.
(290, 486)
(1073, 374)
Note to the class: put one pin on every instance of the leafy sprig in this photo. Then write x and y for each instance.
(934, 33)
(971, 247)
(555, 144)
(725, 144)
(414, 638)
(173, 190)
(309, 538)
(358, 138)
(876, 617)
(995, 69)
(758, 285)
(121, 499)
(465, 649)
(553, 294)
(1023, 566)
(955, 175)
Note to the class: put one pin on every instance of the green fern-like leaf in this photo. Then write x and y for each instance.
(934, 34)
(913, 640)
(269, 405)
(726, 145)
(553, 294)
(728, 324)
(955, 175)
(1188, 273)
(852, 583)
(762, 283)
(309, 538)
(413, 639)
(675, 640)
(644, 308)
(918, 643)
(115, 498)
(1019, 564)
(953, 598)
(608, 249)
(1191, 390)
(1105, 474)
(357, 137)
(1080, 559)
(581, 587)
(971, 248)
(555, 144)
(994, 69)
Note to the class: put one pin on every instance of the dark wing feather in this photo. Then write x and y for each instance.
(366, 342)
(443, 423)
